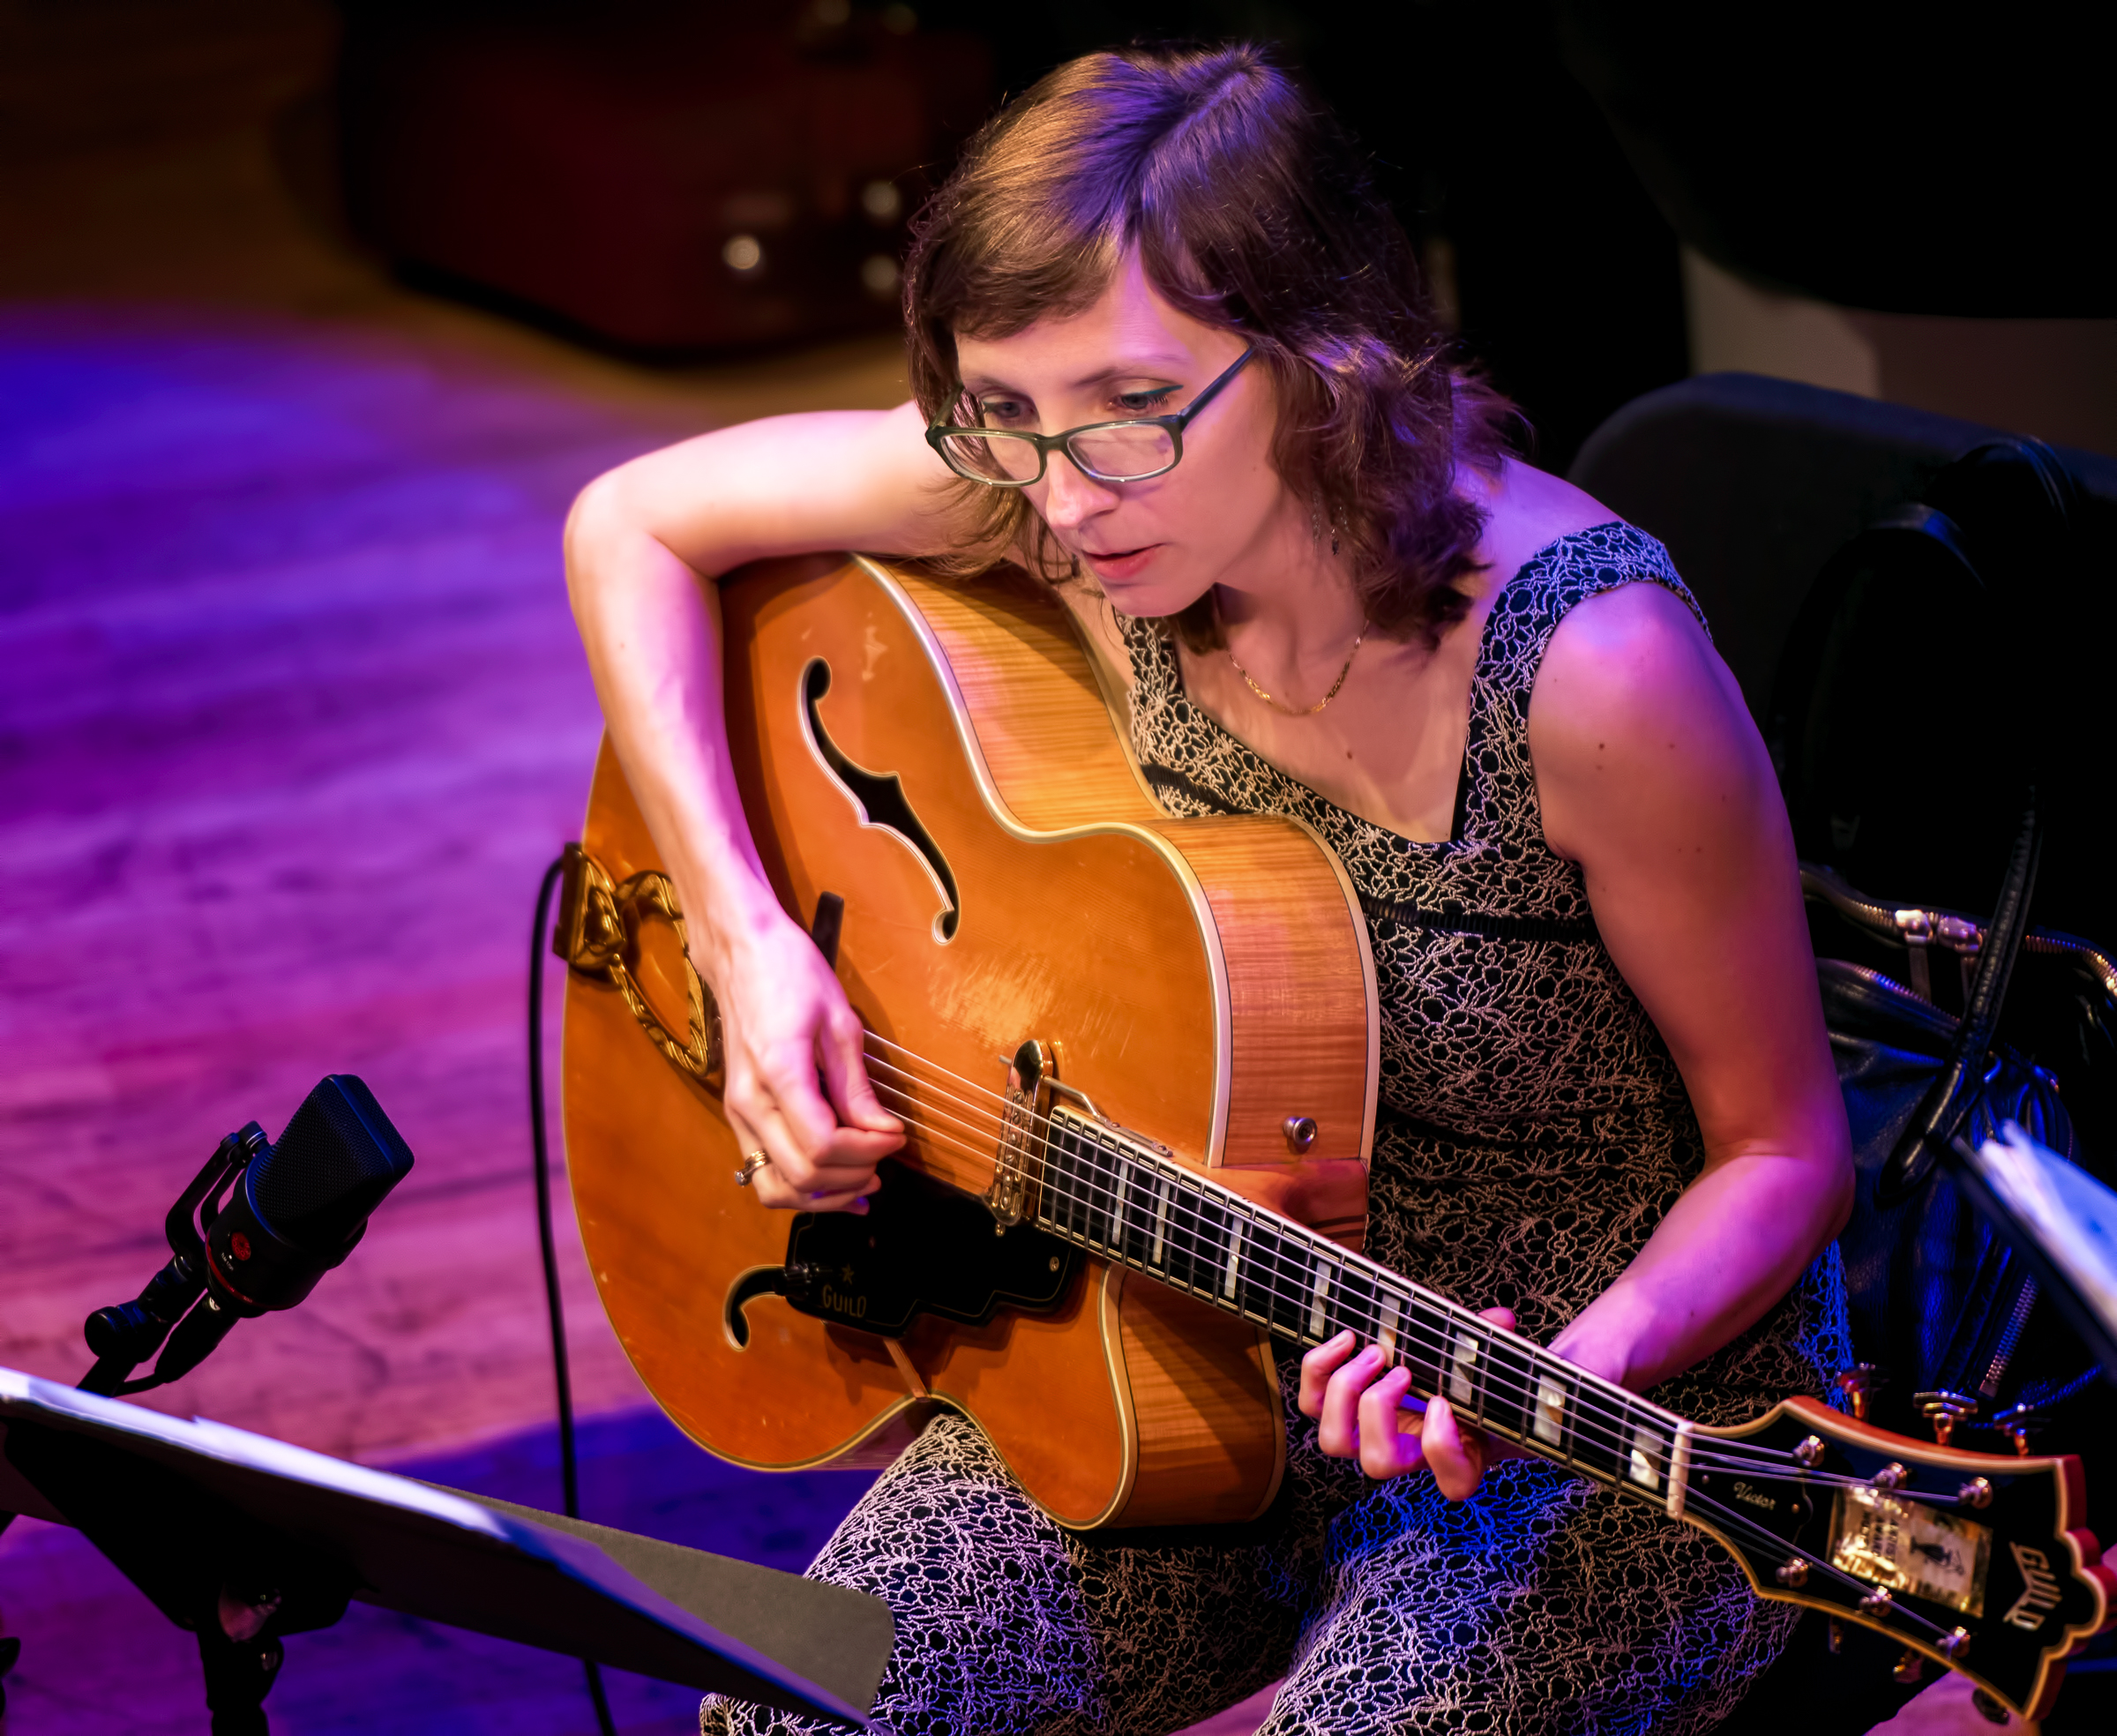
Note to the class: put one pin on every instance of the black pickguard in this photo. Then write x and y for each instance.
(922, 1248)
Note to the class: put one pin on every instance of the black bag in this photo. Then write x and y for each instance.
(1942, 1307)
(1915, 708)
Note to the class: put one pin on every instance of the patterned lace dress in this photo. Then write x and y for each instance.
(1534, 1131)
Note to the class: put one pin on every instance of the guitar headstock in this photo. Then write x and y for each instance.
(1977, 1561)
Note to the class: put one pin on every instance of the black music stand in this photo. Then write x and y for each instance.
(240, 1539)
(2060, 1219)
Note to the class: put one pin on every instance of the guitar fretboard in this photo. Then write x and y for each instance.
(1105, 1191)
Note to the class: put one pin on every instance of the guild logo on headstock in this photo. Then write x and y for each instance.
(2040, 1590)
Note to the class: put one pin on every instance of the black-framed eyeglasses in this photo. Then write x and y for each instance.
(1111, 452)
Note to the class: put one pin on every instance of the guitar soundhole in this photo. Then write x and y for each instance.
(879, 797)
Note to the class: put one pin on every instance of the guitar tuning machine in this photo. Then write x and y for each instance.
(1877, 1602)
(1909, 1667)
(1975, 1493)
(1891, 1476)
(1858, 1384)
(1944, 1410)
(1952, 1646)
(1794, 1572)
(1810, 1452)
(2018, 1425)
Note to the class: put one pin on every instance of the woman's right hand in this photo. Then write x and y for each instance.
(644, 545)
(797, 1087)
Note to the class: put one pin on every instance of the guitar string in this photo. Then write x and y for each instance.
(1734, 1521)
(1585, 1404)
(996, 1132)
(1109, 1206)
(924, 1060)
(1603, 1430)
(1724, 1455)
(1584, 1400)
(1729, 1519)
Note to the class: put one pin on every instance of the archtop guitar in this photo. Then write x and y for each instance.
(1092, 1017)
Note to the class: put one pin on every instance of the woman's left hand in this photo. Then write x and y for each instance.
(1360, 1414)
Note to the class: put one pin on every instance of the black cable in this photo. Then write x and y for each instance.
(569, 1463)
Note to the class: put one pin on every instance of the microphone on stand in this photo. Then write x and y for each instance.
(297, 1209)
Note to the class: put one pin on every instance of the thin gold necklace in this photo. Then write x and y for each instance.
(1305, 711)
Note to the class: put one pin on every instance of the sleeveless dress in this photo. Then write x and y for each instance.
(1533, 1131)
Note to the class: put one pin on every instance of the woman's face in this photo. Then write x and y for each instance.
(1221, 517)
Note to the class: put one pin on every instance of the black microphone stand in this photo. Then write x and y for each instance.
(239, 1658)
(126, 1334)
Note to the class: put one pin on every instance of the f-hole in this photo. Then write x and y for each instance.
(880, 795)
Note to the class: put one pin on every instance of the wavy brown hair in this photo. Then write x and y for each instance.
(1251, 210)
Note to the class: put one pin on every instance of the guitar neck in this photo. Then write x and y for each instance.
(1106, 1192)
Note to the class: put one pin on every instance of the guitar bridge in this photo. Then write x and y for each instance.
(1019, 1159)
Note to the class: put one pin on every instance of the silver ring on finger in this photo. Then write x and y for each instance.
(752, 1162)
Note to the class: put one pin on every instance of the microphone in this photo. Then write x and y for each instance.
(297, 1210)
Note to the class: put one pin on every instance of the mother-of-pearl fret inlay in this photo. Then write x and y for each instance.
(1644, 1468)
(1227, 1287)
(1462, 1370)
(1550, 1419)
(1386, 1333)
(1160, 1220)
(1320, 1290)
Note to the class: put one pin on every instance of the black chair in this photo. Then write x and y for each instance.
(1753, 483)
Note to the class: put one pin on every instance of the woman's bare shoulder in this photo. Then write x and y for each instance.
(1528, 509)
(1632, 701)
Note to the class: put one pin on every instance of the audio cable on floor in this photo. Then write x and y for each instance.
(569, 1463)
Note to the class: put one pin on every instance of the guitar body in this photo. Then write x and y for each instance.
(1205, 982)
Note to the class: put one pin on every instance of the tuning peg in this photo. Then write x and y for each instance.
(2018, 1425)
(1909, 1667)
(1944, 1410)
(1857, 1383)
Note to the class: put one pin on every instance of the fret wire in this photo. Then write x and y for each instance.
(1586, 1414)
(1446, 1314)
(1615, 1446)
(1382, 1315)
(1271, 1288)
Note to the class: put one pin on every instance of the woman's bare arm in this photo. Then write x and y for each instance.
(1652, 777)
(642, 545)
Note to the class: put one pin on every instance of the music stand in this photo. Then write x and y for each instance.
(241, 1539)
(2060, 1219)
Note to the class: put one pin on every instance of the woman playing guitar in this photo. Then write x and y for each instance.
(1167, 344)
